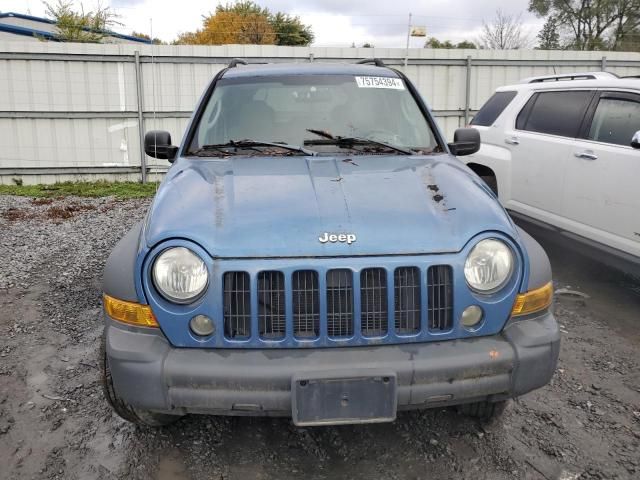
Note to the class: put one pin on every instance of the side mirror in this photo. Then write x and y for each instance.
(466, 141)
(635, 141)
(157, 144)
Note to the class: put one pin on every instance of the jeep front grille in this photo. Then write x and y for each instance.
(440, 297)
(373, 301)
(407, 299)
(237, 305)
(271, 311)
(306, 304)
(338, 304)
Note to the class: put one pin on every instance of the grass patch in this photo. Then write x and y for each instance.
(122, 190)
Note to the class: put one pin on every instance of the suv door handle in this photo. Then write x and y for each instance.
(512, 141)
(587, 155)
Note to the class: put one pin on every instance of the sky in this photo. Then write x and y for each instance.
(339, 23)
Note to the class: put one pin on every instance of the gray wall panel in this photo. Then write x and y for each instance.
(75, 105)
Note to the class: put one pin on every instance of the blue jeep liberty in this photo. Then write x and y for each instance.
(317, 251)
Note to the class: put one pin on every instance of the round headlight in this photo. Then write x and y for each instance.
(489, 266)
(180, 275)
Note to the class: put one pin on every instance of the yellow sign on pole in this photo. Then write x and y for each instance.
(418, 31)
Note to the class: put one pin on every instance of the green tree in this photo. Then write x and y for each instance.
(467, 44)
(81, 26)
(549, 38)
(156, 40)
(629, 41)
(243, 7)
(435, 43)
(290, 30)
(367, 45)
(592, 24)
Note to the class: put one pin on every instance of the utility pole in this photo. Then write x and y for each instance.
(406, 57)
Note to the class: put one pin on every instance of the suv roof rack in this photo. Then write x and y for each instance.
(376, 61)
(237, 61)
(570, 76)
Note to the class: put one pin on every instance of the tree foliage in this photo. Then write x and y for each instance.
(246, 22)
(548, 37)
(144, 36)
(435, 43)
(594, 24)
(80, 26)
(504, 32)
(290, 30)
(230, 27)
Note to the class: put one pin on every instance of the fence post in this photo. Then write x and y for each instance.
(467, 95)
(139, 100)
(604, 64)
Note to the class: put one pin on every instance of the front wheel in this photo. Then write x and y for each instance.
(485, 411)
(122, 408)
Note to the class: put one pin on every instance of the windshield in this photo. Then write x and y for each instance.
(283, 109)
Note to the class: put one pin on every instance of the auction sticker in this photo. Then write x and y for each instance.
(380, 82)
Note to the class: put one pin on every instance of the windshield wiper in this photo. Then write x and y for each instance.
(257, 145)
(350, 142)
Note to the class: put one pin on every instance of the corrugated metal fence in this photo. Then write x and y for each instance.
(78, 110)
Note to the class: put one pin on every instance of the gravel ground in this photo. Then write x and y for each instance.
(55, 423)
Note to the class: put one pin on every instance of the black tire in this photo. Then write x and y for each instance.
(491, 182)
(122, 408)
(484, 411)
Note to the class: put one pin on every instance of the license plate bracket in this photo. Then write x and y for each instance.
(334, 398)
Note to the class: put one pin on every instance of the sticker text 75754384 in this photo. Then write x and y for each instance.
(380, 82)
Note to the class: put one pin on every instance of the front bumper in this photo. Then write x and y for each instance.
(148, 373)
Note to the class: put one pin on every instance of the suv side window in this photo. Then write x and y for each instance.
(492, 109)
(616, 119)
(555, 113)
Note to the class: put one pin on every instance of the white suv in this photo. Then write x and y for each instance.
(564, 150)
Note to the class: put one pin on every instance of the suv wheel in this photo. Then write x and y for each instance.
(122, 408)
(485, 411)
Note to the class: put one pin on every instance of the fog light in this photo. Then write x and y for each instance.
(471, 316)
(202, 325)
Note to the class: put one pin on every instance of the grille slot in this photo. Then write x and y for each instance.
(407, 300)
(340, 303)
(306, 304)
(271, 305)
(373, 301)
(237, 305)
(440, 297)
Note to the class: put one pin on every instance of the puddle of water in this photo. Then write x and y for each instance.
(171, 467)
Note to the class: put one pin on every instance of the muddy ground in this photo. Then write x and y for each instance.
(55, 423)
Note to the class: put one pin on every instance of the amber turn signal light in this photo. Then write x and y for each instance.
(129, 312)
(533, 301)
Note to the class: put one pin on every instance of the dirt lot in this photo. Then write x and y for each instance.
(55, 423)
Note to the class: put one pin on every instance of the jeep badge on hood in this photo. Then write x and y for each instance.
(349, 238)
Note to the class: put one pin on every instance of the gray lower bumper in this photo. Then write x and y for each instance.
(148, 373)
